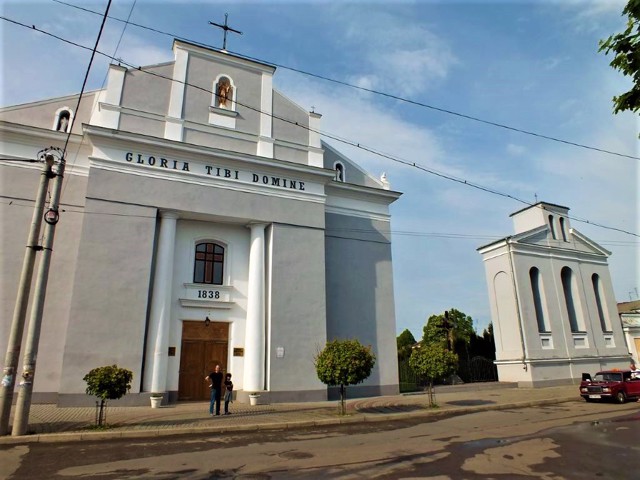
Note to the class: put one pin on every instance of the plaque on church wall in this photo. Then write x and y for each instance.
(238, 352)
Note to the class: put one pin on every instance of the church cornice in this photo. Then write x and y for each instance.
(223, 57)
(17, 132)
(123, 138)
(350, 190)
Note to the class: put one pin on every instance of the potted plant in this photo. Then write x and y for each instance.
(156, 400)
(254, 398)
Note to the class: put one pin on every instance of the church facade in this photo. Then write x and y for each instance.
(552, 303)
(203, 222)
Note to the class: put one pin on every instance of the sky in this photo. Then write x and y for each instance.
(531, 66)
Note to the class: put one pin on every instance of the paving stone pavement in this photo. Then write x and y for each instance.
(50, 423)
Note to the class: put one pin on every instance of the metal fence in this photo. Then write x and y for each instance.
(476, 369)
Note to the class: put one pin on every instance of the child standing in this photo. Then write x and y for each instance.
(228, 385)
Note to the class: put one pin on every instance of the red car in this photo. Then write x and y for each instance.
(617, 385)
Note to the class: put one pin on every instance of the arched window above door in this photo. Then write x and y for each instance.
(209, 263)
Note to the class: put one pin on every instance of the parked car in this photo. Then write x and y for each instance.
(617, 385)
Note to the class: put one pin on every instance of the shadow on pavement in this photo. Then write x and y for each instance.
(470, 403)
(390, 409)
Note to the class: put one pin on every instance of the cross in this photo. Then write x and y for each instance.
(226, 28)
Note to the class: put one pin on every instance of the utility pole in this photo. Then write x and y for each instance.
(51, 217)
(7, 384)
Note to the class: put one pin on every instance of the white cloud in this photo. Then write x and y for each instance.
(594, 15)
(515, 150)
(403, 58)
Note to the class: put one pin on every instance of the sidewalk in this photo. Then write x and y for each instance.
(49, 423)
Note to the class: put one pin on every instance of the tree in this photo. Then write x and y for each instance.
(626, 46)
(405, 343)
(458, 327)
(433, 361)
(344, 362)
(108, 383)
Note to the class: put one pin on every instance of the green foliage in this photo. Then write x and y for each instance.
(405, 342)
(626, 47)
(460, 329)
(344, 362)
(108, 383)
(433, 361)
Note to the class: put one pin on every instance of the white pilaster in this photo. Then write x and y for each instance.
(160, 315)
(254, 351)
(316, 157)
(105, 115)
(173, 127)
(265, 142)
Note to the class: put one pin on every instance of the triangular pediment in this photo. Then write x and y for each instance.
(576, 241)
(585, 244)
(538, 235)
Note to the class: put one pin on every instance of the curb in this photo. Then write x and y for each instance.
(129, 433)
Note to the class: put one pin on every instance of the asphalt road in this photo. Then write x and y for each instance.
(567, 441)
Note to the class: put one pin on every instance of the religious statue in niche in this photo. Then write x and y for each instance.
(225, 92)
(63, 122)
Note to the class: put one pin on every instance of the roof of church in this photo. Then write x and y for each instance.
(540, 204)
(629, 307)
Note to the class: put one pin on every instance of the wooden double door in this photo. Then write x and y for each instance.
(203, 347)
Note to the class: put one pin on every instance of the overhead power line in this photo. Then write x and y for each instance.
(404, 233)
(324, 134)
(370, 90)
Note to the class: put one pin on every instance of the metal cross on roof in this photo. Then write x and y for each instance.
(226, 28)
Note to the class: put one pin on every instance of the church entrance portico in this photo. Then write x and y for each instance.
(203, 347)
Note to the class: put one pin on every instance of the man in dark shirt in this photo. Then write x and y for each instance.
(215, 384)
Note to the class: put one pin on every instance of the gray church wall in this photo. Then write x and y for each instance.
(201, 199)
(21, 190)
(202, 73)
(43, 114)
(148, 92)
(353, 174)
(142, 125)
(297, 312)
(289, 154)
(359, 290)
(286, 131)
(206, 138)
(110, 291)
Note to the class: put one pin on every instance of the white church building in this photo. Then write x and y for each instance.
(552, 303)
(203, 221)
